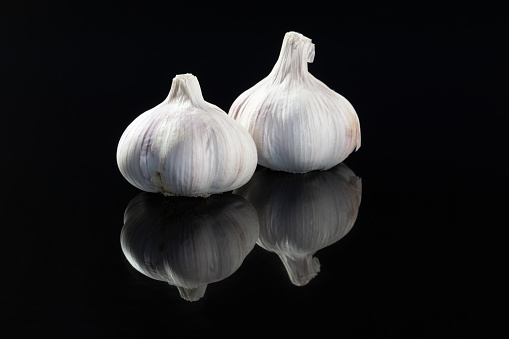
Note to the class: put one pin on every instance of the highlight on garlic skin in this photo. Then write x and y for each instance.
(303, 213)
(297, 122)
(186, 146)
(188, 242)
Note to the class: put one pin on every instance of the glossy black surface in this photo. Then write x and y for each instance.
(425, 83)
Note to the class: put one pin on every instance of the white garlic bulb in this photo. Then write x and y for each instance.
(186, 146)
(303, 213)
(188, 242)
(297, 122)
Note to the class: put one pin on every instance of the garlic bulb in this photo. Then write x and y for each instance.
(303, 213)
(186, 146)
(188, 242)
(297, 122)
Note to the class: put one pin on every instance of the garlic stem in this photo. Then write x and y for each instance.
(186, 88)
(296, 51)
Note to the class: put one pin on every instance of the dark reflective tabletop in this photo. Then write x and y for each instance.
(387, 244)
(191, 242)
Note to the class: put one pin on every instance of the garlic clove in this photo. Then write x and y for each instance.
(303, 213)
(186, 146)
(297, 122)
(188, 242)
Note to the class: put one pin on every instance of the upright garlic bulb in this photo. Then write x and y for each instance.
(186, 146)
(297, 122)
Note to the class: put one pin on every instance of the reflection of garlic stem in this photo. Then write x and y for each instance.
(192, 293)
(297, 122)
(300, 269)
(186, 146)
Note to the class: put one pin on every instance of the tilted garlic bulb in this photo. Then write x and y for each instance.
(297, 122)
(186, 146)
(188, 242)
(303, 213)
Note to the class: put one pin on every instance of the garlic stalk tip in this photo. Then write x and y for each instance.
(186, 87)
(296, 52)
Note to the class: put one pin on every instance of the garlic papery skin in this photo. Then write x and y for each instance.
(303, 213)
(297, 122)
(188, 242)
(186, 146)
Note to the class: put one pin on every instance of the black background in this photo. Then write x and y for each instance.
(427, 82)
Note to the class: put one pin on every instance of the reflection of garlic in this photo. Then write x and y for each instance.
(297, 122)
(303, 213)
(186, 146)
(188, 242)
